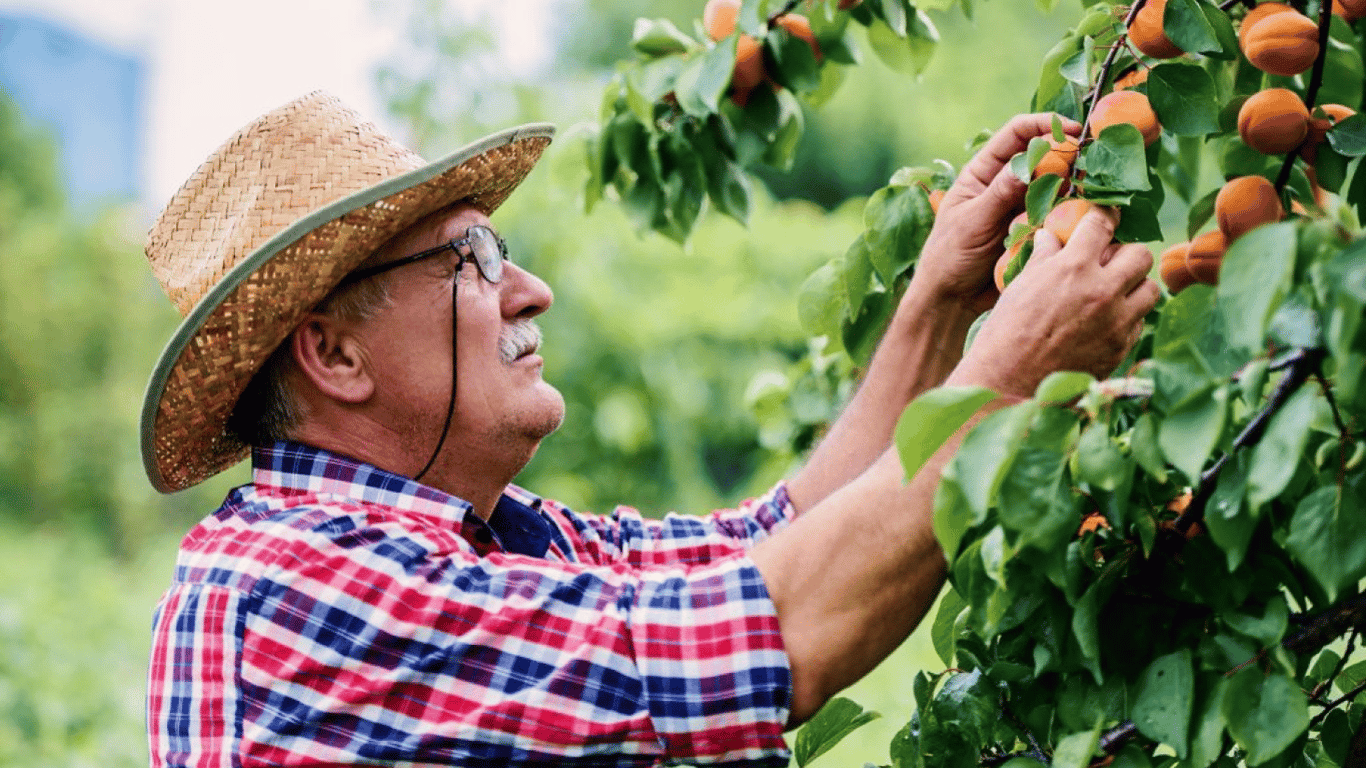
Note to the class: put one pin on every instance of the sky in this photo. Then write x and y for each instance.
(214, 65)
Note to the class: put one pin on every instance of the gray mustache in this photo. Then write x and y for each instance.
(519, 338)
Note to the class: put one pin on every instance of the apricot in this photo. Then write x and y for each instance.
(1058, 160)
(999, 273)
(1131, 78)
(749, 63)
(1257, 14)
(1092, 522)
(1319, 127)
(1146, 32)
(1273, 121)
(936, 200)
(718, 18)
(1205, 257)
(1063, 219)
(1245, 203)
(799, 26)
(1283, 44)
(1129, 107)
(1349, 10)
(1172, 268)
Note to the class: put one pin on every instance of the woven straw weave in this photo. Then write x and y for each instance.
(262, 231)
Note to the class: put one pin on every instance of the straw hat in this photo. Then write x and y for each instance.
(266, 228)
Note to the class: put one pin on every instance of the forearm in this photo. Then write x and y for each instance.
(921, 346)
(853, 577)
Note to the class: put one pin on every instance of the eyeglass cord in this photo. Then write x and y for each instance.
(450, 405)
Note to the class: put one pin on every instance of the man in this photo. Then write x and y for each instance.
(380, 594)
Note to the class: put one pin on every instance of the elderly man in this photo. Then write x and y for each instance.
(380, 593)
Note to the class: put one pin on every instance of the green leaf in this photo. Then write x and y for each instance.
(704, 79)
(1192, 429)
(1063, 386)
(986, 453)
(1255, 277)
(1185, 24)
(1267, 629)
(659, 37)
(837, 719)
(1230, 521)
(1184, 98)
(790, 61)
(1117, 160)
(1164, 699)
(1039, 196)
(1035, 501)
(1278, 453)
(1100, 463)
(790, 127)
(944, 631)
(1348, 137)
(952, 515)
(1201, 211)
(1076, 750)
(909, 54)
(1086, 630)
(932, 418)
(821, 303)
(1143, 444)
(897, 220)
(1264, 712)
(1207, 739)
(1328, 537)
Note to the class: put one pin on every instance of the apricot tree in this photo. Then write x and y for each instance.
(1158, 569)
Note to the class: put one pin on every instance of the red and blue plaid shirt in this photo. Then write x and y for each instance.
(334, 613)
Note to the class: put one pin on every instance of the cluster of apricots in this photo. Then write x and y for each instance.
(718, 19)
(1061, 221)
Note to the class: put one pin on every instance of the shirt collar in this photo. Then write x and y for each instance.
(516, 522)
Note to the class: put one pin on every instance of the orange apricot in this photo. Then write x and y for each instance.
(1350, 10)
(1245, 203)
(1284, 43)
(1257, 14)
(1057, 160)
(718, 18)
(1131, 78)
(1172, 268)
(1147, 35)
(1273, 121)
(936, 199)
(799, 26)
(1129, 107)
(999, 272)
(1206, 255)
(1063, 219)
(749, 63)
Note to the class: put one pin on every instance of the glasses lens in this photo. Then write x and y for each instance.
(488, 251)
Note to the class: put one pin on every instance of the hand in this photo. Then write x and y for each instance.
(956, 262)
(1078, 308)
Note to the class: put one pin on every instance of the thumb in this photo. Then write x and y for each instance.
(1004, 194)
(1045, 244)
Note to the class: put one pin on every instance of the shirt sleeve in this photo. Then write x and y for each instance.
(627, 537)
(374, 644)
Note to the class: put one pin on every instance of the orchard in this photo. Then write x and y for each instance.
(1158, 569)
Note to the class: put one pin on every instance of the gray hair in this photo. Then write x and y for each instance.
(267, 411)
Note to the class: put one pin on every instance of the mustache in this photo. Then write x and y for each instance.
(521, 337)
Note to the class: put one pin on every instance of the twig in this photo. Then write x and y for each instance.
(1301, 364)
(1315, 81)
(1105, 67)
(1344, 698)
(1323, 628)
(1118, 736)
(1343, 431)
(1227, 4)
(786, 9)
(1337, 669)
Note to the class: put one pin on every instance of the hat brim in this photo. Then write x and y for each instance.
(233, 329)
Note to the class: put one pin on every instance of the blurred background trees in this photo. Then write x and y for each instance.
(657, 348)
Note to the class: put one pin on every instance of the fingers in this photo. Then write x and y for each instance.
(1045, 244)
(1011, 139)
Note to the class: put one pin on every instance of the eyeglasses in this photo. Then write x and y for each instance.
(487, 251)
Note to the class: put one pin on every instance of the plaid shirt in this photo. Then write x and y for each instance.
(334, 613)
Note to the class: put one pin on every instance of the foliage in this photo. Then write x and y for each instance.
(1159, 568)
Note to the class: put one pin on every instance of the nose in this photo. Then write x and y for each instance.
(524, 294)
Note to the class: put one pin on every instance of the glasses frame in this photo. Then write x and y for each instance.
(475, 230)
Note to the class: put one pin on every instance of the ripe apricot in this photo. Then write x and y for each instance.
(999, 273)
(1063, 219)
(1319, 125)
(1129, 107)
(1206, 255)
(936, 200)
(1131, 78)
(1146, 32)
(1245, 203)
(1172, 268)
(1350, 10)
(1257, 14)
(1057, 160)
(799, 26)
(718, 18)
(1284, 43)
(749, 63)
(1273, 121)
(1093, 521)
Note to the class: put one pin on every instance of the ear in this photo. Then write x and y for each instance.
(332, 358)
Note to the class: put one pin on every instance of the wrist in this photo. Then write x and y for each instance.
(923, 306)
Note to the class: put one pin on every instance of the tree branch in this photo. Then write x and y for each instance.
(1105, 67)
(1315, 81)
(1301, 364)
